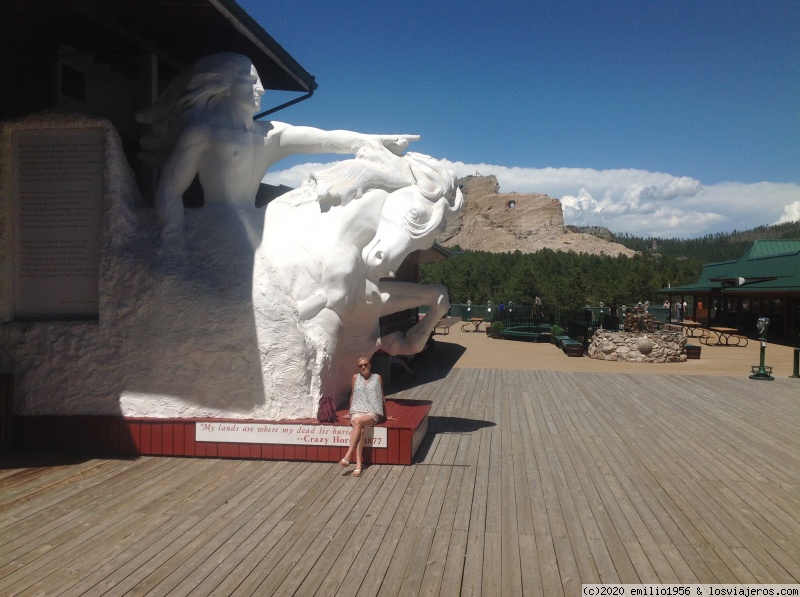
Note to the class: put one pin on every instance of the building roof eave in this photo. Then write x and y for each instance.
(249, 28)
(116, 33)
(435, 254)
(690, 289)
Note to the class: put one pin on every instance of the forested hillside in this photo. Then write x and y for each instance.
(712, 247)
(571, 280)
(568, 280)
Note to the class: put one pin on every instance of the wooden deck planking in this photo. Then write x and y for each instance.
(54, 545)
(762, 531)
(529, 482)
(493, 563)
(319, 562)
(388, 501)
(535, 540)
(427, 558)
(635, 510)
(314, 506)
(595, 489)
(392, 521)
(662, 457)
(585, 501)
(149, 571)
(530, 578)
(189, 551)
(411, 556)
(717, 475)
(459, 540)
(55, 499)
(683, 449)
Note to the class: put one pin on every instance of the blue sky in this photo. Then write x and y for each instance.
(665, 118)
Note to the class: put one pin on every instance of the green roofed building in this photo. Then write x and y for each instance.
(764, 282)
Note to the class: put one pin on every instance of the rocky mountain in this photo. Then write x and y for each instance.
(598, 231)
(528, 222)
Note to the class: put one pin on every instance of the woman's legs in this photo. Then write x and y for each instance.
(357, 438)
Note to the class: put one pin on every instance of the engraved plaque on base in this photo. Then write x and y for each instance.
(58, 214)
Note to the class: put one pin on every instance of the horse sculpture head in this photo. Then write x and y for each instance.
(413, 216)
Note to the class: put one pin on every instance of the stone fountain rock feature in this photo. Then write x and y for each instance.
(638, 343)
(639, 323)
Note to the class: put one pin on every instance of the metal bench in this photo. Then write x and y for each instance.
(560, 340)
(530, 336)
(572, 348)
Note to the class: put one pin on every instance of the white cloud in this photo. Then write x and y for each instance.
(292, 177)
(791, 213)
(637, 202)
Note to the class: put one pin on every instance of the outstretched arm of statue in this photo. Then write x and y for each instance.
(306, 139)
(177, 174)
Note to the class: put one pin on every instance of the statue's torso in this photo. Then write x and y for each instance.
(233, 165)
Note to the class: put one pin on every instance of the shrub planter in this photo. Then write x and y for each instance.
(495, 328)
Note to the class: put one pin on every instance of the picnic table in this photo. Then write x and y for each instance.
(689, 328)
(476, 321)
(725, 337)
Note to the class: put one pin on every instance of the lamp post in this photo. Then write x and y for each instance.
(761, 372)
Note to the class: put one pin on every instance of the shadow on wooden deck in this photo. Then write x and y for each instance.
(430, 366)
